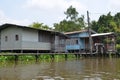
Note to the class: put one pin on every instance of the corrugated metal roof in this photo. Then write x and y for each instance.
(14, 25)
(102, 34)
(80, 31)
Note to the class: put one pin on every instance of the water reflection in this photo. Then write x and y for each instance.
(82, 69)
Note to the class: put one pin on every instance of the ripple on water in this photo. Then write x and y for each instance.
(58, 78)
(92, 78)
(48, 78)
(116, 79)
(42, 77)
(98, 75)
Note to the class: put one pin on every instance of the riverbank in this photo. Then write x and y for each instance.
(43, 56)
(31, 57)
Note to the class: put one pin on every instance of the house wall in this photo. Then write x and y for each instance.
(59, 44)
(44, 36)
(30, 45)
(31, 40)
(81, 41)
(73, 44)
(84, 34)
(11, 43)
(73, 47)
(28, 40)
(73, 35)
(30, 35)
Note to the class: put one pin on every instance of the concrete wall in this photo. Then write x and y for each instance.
(11, 43)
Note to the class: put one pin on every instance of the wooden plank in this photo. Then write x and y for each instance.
(21, 54)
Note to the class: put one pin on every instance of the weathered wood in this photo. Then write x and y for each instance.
(22, 54)
(52, 56)
(66, 56)
(36, 57)
(16, 57)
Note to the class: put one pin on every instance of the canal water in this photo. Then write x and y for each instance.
(80, 69)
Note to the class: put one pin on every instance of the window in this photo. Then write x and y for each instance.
(6, 38)
(76, 41)
(16, 37)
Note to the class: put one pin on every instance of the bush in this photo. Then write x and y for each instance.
(118, 47)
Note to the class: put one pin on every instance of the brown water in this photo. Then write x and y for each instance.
(81, 69)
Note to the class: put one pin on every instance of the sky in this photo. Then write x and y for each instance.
(25, 12)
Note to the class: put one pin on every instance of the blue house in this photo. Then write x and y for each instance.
(79, 40)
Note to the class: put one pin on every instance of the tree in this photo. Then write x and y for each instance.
(94, 26)
(72, 21)
(40, 26)
(105, 23)
(71, 13)
(108, 23)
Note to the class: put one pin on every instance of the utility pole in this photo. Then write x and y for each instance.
(89, 32)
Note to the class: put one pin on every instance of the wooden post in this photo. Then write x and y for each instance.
(89, 31)
(21, 51)
(36, 57)
(52, 56)
(66, 56)
(76, 56)
(16, 57)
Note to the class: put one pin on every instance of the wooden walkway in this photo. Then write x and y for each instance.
(21, 54)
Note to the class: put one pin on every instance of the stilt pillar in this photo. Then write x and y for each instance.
(52, 56)
(36, 57)
(16, 57)
(66, 56)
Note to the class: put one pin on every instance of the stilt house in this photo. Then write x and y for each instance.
(100, 43)
(16, 38)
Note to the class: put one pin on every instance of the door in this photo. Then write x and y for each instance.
(86, 43)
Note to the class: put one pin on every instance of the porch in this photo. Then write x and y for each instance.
(104, 43)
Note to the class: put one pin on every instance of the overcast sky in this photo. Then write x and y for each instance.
(25, 12)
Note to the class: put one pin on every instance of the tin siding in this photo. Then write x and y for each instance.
(28, 45)
(30, 35)
(30, 40)
(11, 43)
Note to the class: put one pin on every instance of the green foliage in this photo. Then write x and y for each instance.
(4, 58)
(71, 23)
(26, 58)
(108, 23)
(31, 58)
(118, 47)
(44, 57)
(71, 13)
(38, 25)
